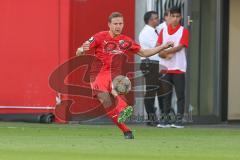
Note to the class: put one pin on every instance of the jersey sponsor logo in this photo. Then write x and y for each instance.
(110, 46)
(117, 48)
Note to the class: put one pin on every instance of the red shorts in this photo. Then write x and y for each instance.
(102, 83)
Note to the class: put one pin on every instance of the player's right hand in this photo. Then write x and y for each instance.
(85, 47)
(79, 51)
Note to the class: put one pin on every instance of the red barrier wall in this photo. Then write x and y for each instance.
(30, 45)
(36, 36)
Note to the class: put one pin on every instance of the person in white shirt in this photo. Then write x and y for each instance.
(150, 66)
(166, 21)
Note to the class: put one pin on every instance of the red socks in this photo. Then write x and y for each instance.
(120, 103)
(113, 114)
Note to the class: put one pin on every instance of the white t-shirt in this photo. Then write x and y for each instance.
(161, 26)
(148, 39)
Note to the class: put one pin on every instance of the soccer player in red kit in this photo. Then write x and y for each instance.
(107, 44)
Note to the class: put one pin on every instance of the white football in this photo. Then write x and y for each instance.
(121, 84)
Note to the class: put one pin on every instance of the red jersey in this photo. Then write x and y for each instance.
(106, 47)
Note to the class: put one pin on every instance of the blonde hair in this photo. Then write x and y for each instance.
(114, 15)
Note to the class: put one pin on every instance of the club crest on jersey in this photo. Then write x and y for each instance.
(125, 45)
(91, 39)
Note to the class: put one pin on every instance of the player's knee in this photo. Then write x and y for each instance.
(105, 99)
(107, 103)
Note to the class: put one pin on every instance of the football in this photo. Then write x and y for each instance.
(121, 84)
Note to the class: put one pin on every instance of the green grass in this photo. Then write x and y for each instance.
(24, 141)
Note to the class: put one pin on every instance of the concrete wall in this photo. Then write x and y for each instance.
(234, 65)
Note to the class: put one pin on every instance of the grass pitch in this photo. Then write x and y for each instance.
(25, 141)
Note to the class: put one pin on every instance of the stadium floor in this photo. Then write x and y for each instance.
(31, 141)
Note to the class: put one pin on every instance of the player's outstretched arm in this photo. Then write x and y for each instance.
(153, 51)
(171, 50)
(169, 53)
(85, 47)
